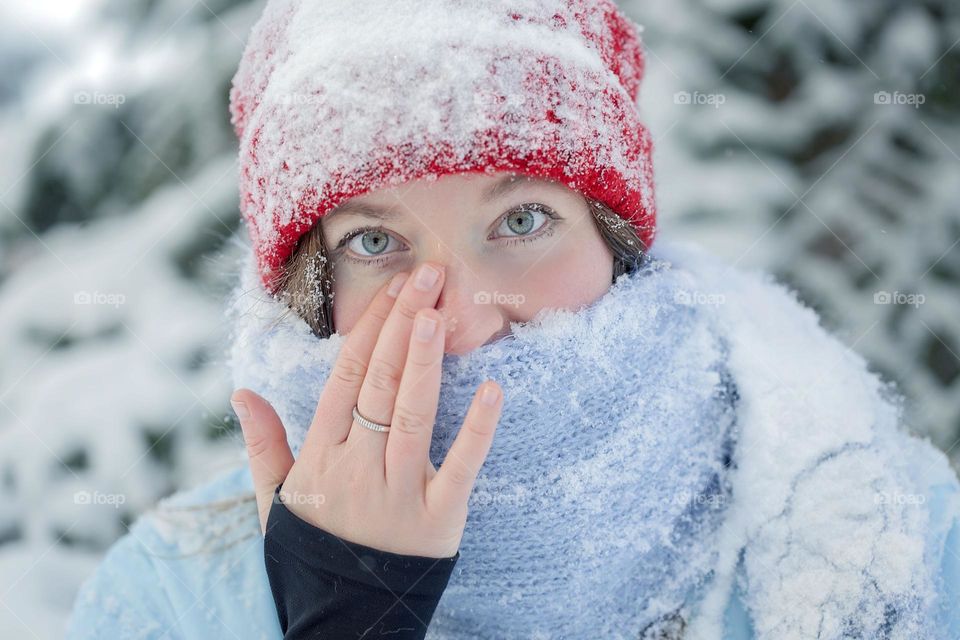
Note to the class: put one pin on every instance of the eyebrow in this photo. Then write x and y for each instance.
(501, 188)
(512, 182)
(361, 209)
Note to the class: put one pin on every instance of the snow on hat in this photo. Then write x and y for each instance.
(334, 98)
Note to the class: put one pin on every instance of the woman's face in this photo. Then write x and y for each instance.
(510, 246)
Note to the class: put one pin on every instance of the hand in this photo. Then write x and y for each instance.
(374, 488)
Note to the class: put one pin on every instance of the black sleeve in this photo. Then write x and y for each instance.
(327, 587)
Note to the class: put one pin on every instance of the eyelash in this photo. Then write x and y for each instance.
(545, 231)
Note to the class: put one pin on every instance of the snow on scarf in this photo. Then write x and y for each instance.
(597, 510)
(593, 512)
(825, 534)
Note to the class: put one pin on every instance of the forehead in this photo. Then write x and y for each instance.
(481, 187)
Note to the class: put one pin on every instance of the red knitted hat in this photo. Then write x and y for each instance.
(335, 98)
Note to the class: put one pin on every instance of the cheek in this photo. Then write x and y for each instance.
(568, 277)
(346, 312)
(351, 298)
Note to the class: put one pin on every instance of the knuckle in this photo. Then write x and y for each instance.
(360, 478)
(460, 472)
(409, 422)
(349, 370)
(383, 376)
(479, 427)
(420, 356)
(405, 309)
(258, 445)
(356, 481)
(379, 316)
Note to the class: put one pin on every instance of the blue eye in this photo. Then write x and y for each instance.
(526, 220)
(375, 242)
(371, 246)
(371, 243)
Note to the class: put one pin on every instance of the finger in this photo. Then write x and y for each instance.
(408, 445)
(450, 488)
(333, 415)
(378, 393)
(267, 448)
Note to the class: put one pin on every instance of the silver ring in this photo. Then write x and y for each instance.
(369, 424)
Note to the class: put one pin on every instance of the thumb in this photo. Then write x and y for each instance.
(267, 448)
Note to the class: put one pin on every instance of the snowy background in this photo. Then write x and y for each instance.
(817, 139)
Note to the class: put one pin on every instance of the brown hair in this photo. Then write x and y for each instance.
(306, 283)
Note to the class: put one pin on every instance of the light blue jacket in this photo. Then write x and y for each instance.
(163, 579)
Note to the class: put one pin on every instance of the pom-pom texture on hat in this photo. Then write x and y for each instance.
(333, 99)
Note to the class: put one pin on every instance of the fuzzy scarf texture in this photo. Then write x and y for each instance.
(593, 511)
(691, 432)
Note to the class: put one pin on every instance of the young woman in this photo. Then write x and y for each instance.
(479, 402)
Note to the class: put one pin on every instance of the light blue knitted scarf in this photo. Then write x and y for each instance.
(595, 511)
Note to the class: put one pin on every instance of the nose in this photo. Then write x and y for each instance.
(470, 311)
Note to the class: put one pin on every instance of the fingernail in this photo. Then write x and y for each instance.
(240, 408)
(426, 277)
(489, 396)
(396, 284)
(424, 328)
